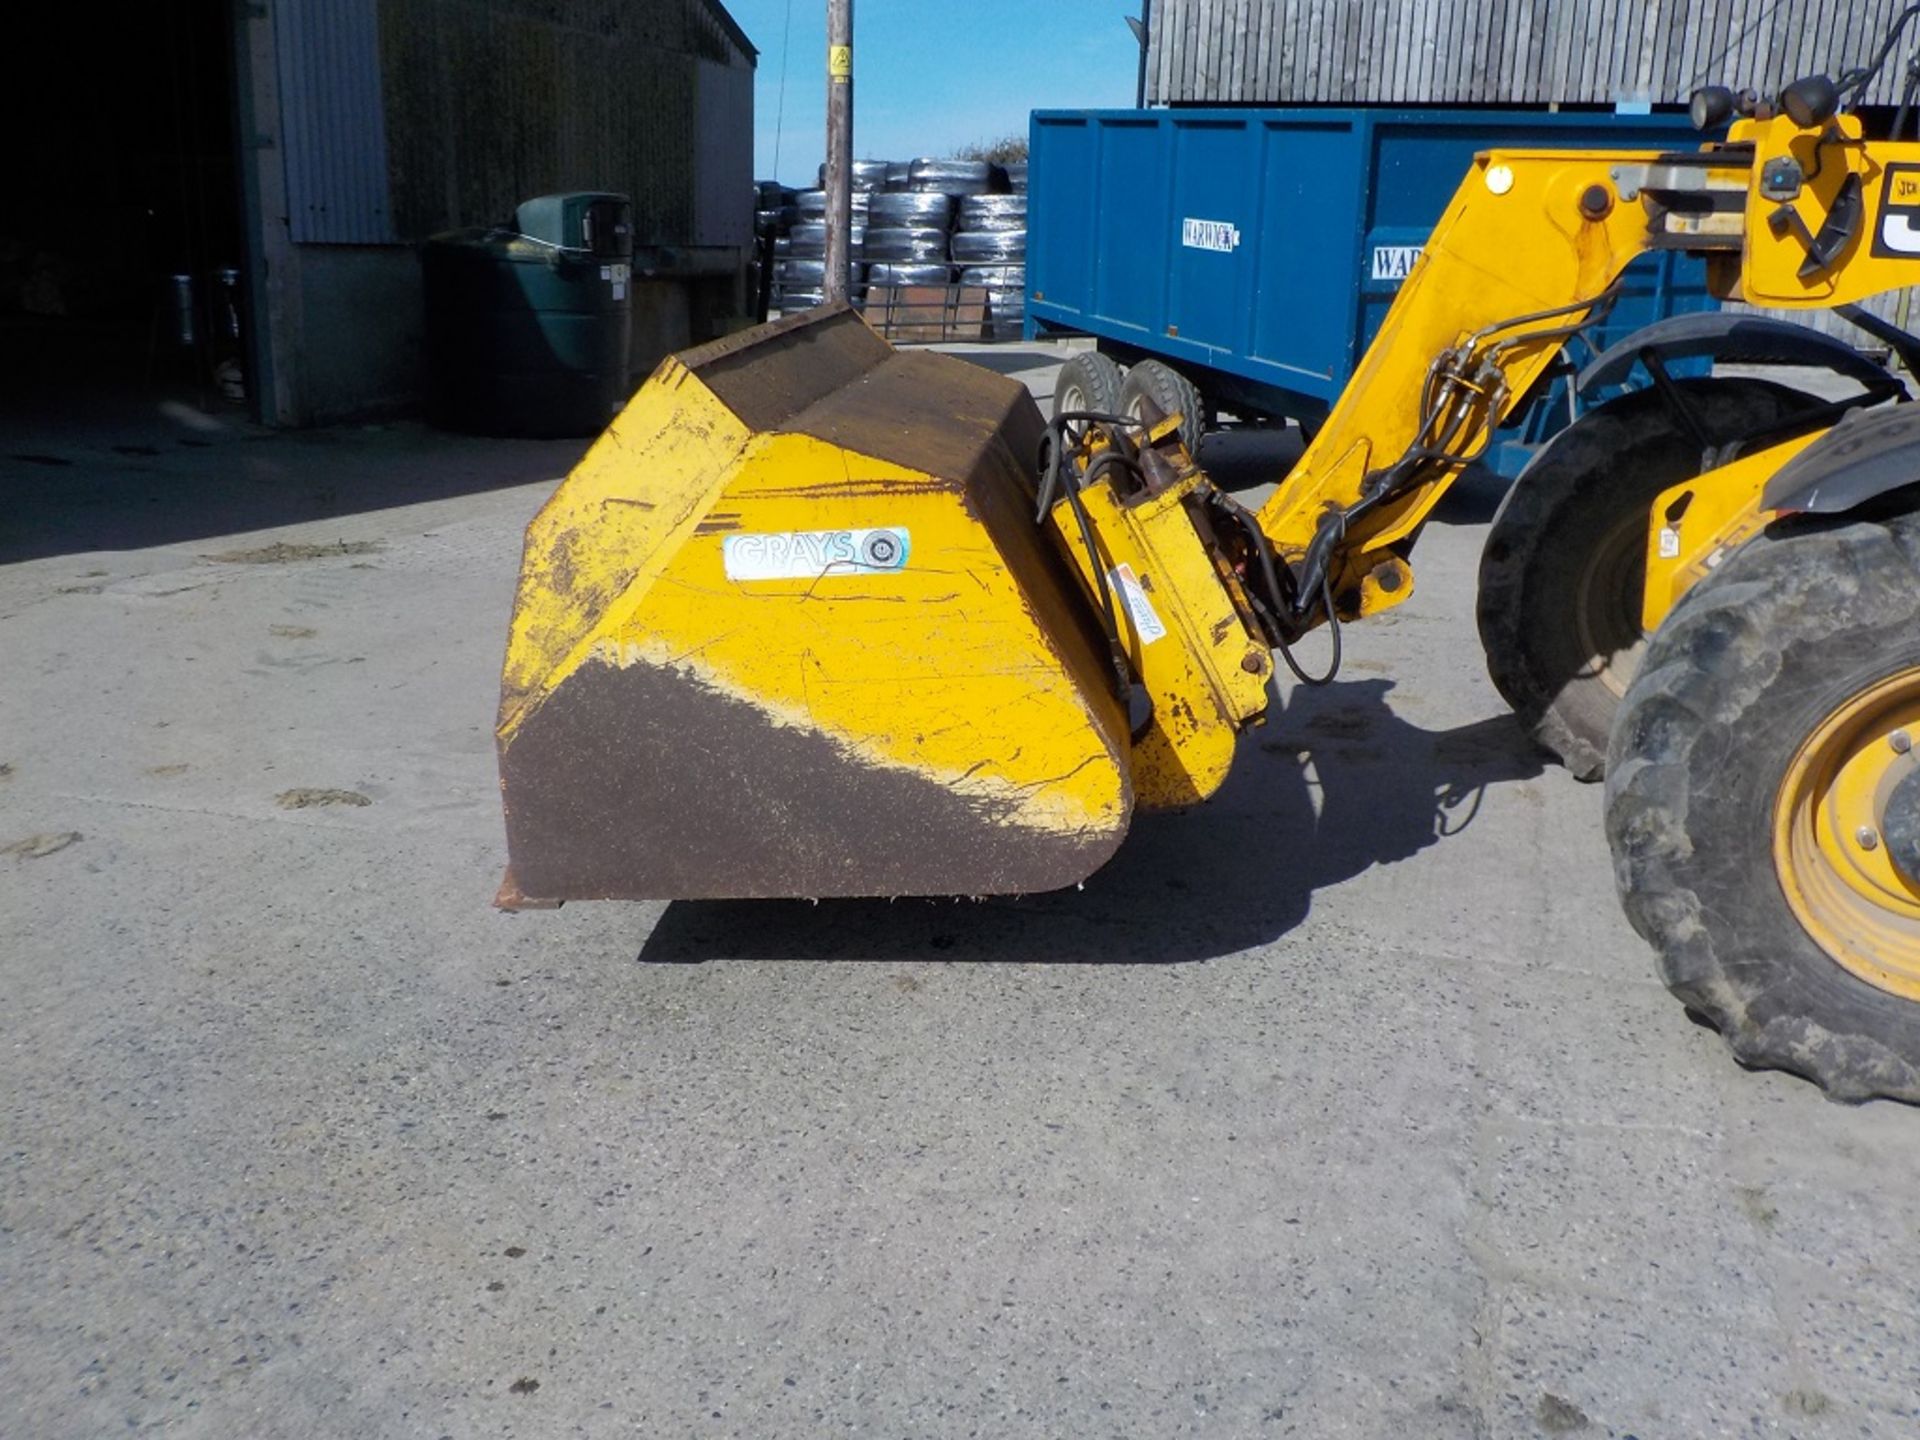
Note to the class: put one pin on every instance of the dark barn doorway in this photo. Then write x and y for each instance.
(121, 242)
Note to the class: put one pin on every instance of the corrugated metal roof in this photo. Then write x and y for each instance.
(732, 27)
(333, 133)
(1497, 52)
(1493, 52)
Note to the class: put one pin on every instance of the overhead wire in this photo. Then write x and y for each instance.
(780, 107)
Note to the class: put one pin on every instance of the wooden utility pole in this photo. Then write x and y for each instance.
(839, 149)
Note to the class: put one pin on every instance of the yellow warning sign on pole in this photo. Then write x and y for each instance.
(840, 62)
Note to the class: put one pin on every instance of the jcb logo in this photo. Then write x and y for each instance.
(1896, 233)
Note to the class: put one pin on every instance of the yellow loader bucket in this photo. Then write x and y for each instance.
(790, 629)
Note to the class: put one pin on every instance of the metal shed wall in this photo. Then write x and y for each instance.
(489, 101)
(333, 138)
(1497, 52)
(376, 123)
(404, 117)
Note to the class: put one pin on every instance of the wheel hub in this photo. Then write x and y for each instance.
(1607, 615)
(1847, 834)
(1902, 827)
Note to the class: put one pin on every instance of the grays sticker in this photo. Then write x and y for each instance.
(1220, 235)
(1146, 622)
(1394, 262)
(1896, 234)
(812, 554)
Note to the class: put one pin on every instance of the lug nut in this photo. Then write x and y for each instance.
(1900, 741)
(1866, 837)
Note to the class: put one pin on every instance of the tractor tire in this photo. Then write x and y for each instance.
(990, 247)
(1172, 393)
(902, 246)
(1565, 560)
(1763, 839)
(1088, 381)
(909, 273)
(985, 214)
(952, 177)
(910, 211)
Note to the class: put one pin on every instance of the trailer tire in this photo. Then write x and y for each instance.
(1088, 381)
(1172, 394)
(952, 177)
(1735, 778)
(1565, 560)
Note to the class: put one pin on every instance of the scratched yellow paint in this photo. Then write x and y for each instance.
(1523, 245)
(1693, 525)
(942, 668)
(1206, 674)
(1505, 248)
(939, 667)
(613, 524)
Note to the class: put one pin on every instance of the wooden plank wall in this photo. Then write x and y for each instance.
(1515, 52)
(1499, 52)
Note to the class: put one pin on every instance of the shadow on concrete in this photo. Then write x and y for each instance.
(132, 476)
(1337, 785)
(1011, 360)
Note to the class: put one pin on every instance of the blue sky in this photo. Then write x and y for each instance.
(931, 75)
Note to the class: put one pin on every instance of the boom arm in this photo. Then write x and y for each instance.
(1795, 217)
(1528, 251)
(1535, 235)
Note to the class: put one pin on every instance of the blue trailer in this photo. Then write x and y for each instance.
(1256, 251)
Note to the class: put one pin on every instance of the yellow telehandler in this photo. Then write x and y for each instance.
(817, 617)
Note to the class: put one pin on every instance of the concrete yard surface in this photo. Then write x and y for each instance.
(1346, 1105)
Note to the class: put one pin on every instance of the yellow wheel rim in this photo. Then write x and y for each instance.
(1829, 845)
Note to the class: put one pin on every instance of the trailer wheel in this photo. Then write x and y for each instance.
(1565, 560)
(1172, 393)
(1763, 803)
(1088, 381)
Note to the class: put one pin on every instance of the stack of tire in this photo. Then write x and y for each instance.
(908, 238)
(868, 176)
(923, 222)
(800, 256)
(990, 246)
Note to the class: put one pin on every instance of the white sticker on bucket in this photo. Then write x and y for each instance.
(1146, 623)
(812, 554)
